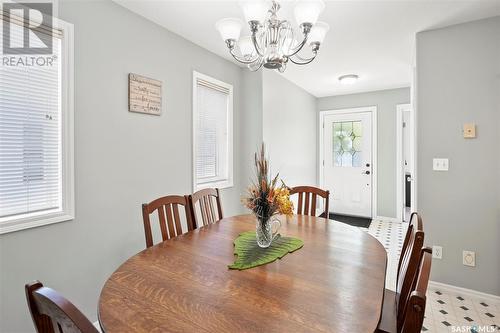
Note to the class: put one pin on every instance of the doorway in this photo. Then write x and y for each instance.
(348, 160)
(405, 162)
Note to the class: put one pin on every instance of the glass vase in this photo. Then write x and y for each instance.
(264, 231)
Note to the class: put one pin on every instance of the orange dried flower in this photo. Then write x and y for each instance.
(265, 197)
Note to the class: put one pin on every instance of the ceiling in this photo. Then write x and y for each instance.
(370, 38)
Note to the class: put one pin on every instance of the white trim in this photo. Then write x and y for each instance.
(218, 183)
(464, 291)
(400, 108)
(374, 161)
(67, 211)
(34, 221)
(399, 162)
(373, 111)
(414, 135)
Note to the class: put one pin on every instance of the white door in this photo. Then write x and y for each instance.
(347, 171)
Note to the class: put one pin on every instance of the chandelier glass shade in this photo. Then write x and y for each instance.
(274, 42)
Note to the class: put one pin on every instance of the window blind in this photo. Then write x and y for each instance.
(211, 132)
(30, 135)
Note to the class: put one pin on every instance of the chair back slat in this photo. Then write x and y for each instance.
(299, 205)
(205, 210)
(414, 312)
(168, 217)
(313, 204)
(409, 266)
(202, 202)
(163, 225)
(206, 200)
(170, 222)
(177, 219)
(52, 313)
(212, 211)
(424, 271)
(306, 204)
(308, 197)
(414, 217)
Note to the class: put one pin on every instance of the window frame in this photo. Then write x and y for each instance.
(229, 182)
(67, 212)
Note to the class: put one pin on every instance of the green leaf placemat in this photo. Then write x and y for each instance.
(251, 255)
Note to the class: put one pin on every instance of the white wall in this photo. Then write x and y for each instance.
(290, 130)
(386, 102)
(122, 159)
(458, 81)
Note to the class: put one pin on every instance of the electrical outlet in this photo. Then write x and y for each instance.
(469, 258)
(437, 252)
(440, 164)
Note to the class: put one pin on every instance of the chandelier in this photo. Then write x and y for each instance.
(273, 42)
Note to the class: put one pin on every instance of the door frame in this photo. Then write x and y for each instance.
(321, 125)
(400, 108)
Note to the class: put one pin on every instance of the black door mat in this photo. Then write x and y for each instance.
(352, 220)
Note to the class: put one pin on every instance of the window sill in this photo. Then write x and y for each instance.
(216, 184)
(33, 222)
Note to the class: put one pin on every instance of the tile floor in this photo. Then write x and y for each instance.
(446, 311)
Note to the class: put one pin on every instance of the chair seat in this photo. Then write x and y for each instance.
(388, 320)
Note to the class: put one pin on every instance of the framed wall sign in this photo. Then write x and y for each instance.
(144, 94)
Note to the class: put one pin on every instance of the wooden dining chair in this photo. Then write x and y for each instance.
(395, 302)
(202, 202)
(413, 218)
(168, 217)
(307, 200)
(414, 312)
(52, 313)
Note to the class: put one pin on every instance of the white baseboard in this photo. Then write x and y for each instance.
(464, 291)
(387, 219)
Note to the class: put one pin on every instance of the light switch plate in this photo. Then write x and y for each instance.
(440, 164)
(469, 258)
(437, 252)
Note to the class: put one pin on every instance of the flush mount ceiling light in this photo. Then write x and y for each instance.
(273, 42)
(348, 79)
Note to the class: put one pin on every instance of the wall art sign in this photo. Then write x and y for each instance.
(144, 94)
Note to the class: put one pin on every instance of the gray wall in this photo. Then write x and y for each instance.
(122, 159)
(290, 129)
(251, 119)
(458, 80)
(385, 101)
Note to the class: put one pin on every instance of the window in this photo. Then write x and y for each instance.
(347, 137)
(212, 132)
(36, 131)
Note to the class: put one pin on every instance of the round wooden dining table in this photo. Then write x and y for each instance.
(334, 283)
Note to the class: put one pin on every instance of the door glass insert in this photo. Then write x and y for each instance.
(347, 142)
